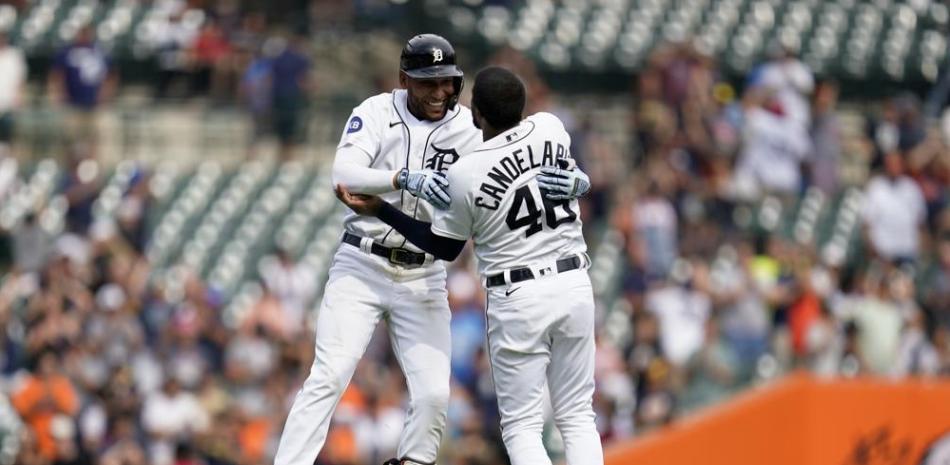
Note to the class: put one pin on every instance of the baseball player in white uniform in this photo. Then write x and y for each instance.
(512, 198)
(397, 145)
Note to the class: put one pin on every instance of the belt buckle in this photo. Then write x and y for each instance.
(400, 256)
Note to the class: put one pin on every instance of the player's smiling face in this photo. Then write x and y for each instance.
(428, 98)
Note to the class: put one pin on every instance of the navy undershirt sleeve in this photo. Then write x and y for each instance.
(420, 233)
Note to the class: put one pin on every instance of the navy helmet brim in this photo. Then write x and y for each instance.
(434, 72)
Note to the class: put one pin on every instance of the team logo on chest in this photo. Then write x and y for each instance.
(441, 159)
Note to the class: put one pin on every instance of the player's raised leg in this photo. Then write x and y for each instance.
(420, 334)
(571, 372)
(348, 315)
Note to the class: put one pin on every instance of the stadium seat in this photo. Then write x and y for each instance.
(33, 196)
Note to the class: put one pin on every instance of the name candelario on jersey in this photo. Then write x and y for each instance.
(511, 167)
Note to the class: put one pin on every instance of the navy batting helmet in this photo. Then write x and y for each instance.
(429, 56)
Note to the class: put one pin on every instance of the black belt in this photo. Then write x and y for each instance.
(395, 255)
(525, 273)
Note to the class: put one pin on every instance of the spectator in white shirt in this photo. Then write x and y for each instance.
(168, 416)
(682, 308)
(293, 283)
(792, 82)
(12, 83)
(894, 212)
(774, 147)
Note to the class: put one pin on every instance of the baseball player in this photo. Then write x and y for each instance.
(397, 145)
(514, 201)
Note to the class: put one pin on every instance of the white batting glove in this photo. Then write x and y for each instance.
(562, 183)
(429, 185)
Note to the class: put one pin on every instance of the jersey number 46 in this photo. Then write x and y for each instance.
(532, 217)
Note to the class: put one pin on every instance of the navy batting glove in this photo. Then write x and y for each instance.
(429, 185)
(562, 184)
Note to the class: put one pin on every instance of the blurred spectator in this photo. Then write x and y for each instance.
(187, 358)
(294, 283)
(824, 345)
(657, 403)
(291, 86)
(12, 86)
(935, 286)
(878, 321)
(853, 362)
(249, 357)
(929, 164)
(656, 229)
(894, 212)
(682, 305)
(46, 398)
(68, 451)
(377, 433)
(132, 210)
(32, 245)
(825, 172)
(712, 372)
(269, 313)
(81, 78)
(124, 448)
(250, 35)
(212, 60)
(654, 121)
(915, 354)
(471, 447)
(185, 455)
(13, 432)
(790, 79)
(676, 62)
(8, 172)
(81, 185)
(170, 416)
(173, 40)
(255, 91)
(744, 294)
(68, 447)
(898, 128)
(467, 325)
(774, 147)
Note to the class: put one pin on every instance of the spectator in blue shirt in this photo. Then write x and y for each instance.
(290, 86)
(81, 79)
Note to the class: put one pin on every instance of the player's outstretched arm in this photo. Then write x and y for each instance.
(563, 182)
(418, 232)
(351, 169)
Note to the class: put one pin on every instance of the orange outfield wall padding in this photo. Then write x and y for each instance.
(802, 420)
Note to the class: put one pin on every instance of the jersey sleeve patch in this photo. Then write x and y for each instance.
(355, 124)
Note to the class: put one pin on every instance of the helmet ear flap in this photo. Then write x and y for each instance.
(459, 83)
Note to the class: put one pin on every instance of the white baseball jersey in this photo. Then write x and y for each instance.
(383, 127)
(539, 331)
(496, 200)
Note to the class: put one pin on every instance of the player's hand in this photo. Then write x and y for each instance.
(429, 185)
(558, 183)
(367, 205)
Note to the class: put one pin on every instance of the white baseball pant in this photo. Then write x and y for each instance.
(361, 290)
(543, 330)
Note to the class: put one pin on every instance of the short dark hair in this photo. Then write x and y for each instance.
(499, 96)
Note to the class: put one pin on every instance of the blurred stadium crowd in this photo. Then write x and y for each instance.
(761, 229)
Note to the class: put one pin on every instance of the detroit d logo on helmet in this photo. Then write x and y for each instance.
(441, 159)
(437, 55)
